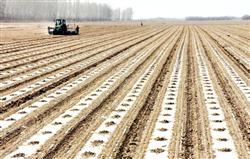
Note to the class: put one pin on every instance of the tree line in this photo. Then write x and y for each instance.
(246, 17)
(43, 10)
(197, 18)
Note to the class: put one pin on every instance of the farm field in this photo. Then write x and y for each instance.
(125, 91)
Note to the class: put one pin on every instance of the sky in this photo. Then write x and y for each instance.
(144, 9)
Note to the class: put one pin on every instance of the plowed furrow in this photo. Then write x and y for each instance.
(67, 54)
(70, 138)
(116, 52)
(134, 135)
(190, 141)
(48, 98)
(13, 48)
(77, 72)
(33, 56)
(244, 67)
(87, 109)
(237, 106)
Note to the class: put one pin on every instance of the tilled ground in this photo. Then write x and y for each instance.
(158, 91)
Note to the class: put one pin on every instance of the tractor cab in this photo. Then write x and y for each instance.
(61, 28)
(60, 25)
(59, 22)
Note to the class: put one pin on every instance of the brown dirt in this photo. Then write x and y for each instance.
(106, 43)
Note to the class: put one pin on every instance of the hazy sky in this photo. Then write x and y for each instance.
(181, 8)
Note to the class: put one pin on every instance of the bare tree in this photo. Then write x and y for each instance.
(116, 15)
(245, 17)
(35, 10)
(2, 9)
(127, 14)
(209, 18)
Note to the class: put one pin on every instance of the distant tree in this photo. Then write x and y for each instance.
(37, 10)
(209, 18)
(116, 15)
(2, 9)
(127, 14)
(77, 9)
(245, 17)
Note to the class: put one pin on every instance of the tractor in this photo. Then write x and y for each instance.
(61, 28)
